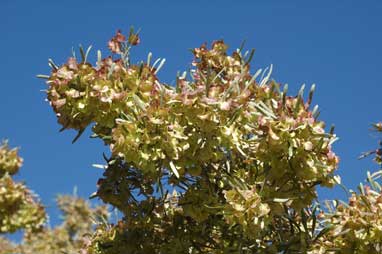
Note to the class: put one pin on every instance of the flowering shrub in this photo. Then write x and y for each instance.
(78, 219)
(225, 161)
(242, 157)
(356, 226)
(19, 207)
(10, 162)
(20, 210)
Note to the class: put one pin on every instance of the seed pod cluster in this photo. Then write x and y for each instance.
(71, 235)
(10, 162)
(19, 207)
(356, 225)
(238, 151)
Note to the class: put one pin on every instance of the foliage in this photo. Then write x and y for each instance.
(224, 162)
(241, 158)
(19, 207)
(356, 226)
(10, 162)
(69, 237)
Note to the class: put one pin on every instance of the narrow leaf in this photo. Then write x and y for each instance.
(87, 53)
(160, 66)
(80, 132)
(173, 169)
(149, 56)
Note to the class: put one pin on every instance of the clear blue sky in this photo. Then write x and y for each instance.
(335, 44)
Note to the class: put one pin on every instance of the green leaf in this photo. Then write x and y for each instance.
(160, 66)
(323, 232)
(265, 80)
(280, 200)
(315, 112)
(285, 90)
(80, 132)
(241, 46)
(173, 169)
(87, 53)
(99, 57)
(254, 77)
(155, 63)
(43, 76)
(99, 166)
(52, 64)
(93, 195)
(83, 55)
(311, 92)
(149, 57)
(250, 57)
(139, 102)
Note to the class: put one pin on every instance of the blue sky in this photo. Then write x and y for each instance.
(335, 45)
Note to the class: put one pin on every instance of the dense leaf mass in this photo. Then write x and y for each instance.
(356, 226)
(10, 162)
(19, 207)
(78, 218)
(222, 162)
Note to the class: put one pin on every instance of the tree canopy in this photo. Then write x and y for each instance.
(225, 161)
